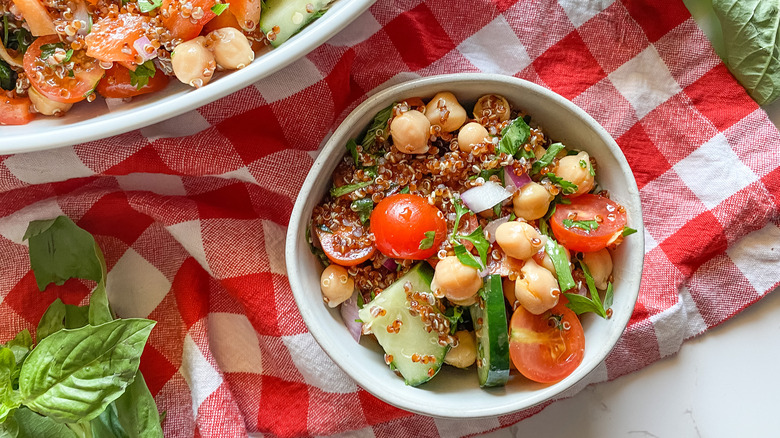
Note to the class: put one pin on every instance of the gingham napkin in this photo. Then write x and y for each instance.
(193, 226)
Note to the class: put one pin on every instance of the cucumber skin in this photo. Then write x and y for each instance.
(280, 12)
(492, 334)
(395, 344)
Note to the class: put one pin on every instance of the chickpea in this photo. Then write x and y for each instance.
(455, 280)
(518, 239)
(576, 169)
(508, 286)
(472, 134)
(410, 132)
(193, 63)
(465, 303)
(46, 106)
(336, 285)
(445, 111)
(231, 48)
(465, 353)
(497, 104)
(531, 201)
(537, 291)
(600, 265)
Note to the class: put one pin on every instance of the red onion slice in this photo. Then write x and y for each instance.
(515, 181)
(390, 264)
(349, 313)
(139, 45)
(80, 13)
(483, 197)
(490, 228)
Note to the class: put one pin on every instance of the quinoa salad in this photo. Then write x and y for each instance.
(56, 53)
(467, 238)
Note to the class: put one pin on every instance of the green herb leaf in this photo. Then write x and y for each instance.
(9, 399)
(136, 411)
(627, 231)
(557, 254)
(751, 30)
(460, 211)
(99, 311)
(466, 257)
(513, 137)
(427, 242)
(609, 296)
(76, 316)
(219, 8)
(72, 375)
(149, 5)
(487, 173)
(567, 187)
(405, 190)
(7, 76)
(580, 304)
(378, 128)
(363, 207)
(31, 424)
(68, 55)
(20, 346)
(19, 40)
(547, 158)
(60, 250)
(52, 321)
(48, 49)
(477, 238)
(140, 77)
(455, 315)
(352, 149)
(349, 188)
(316, 251)
(584, 225)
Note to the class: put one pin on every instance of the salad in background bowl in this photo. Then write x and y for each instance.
(68, 54)
(449, 187)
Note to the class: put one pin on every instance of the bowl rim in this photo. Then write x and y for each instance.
(109, 124)
(380, 100)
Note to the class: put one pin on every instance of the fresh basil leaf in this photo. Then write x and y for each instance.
(99, 311)
(19, 40)
(460, 211)
(751, 35)
(466, 257)
(557, 254)
(149, 5)
(49, 49)
(628, 231)
(513, 137)
(52, 321)
(487, 173)
(567, 187)
(609, 296)
(591, 225)
(497, 209)
(32, 425)
(7, 76)
(20, 346)
(140, 77)
(60, 250)
(9, 428)
(477, 238)
(219, 8)
(547, 158)
(427, 242)
(579, 304)
(455, 315)
(72, 375)
(9, 399)
(76, 316)
(352, 149)
(316, 251)
(349, 188)
(404, 190)
(107, 424)
(363, 207)
(378, 128)
(137, 411)
(594, 293)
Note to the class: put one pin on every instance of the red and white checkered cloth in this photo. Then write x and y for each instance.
(193, 227)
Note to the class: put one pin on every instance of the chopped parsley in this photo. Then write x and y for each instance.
(363, 207)
(590, 225)
(47, 50)
(405, 190)
(219, 8)
(567, 187)
(378, 128)
(349, 188)
(149, 5)
(627, 231)
(547, 158)
(477, 238)
(427, 243)
(466, 258)
(140, 77)
(513, 137)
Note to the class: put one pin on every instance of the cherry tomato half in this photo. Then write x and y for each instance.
(111, 39)
(187, 27)
(548, 347)
(399, 224)
(15, 111)
(609, 215)
(71, 87)
(332, 241)
(117, 83)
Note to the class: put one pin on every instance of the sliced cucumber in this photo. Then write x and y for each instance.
(290, 16)
(490, 326)
(411, 350)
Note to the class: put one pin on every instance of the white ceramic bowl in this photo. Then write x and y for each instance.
(93, 121)
(456, 393)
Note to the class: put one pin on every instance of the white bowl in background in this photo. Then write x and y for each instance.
(87, 122)
(455, 393)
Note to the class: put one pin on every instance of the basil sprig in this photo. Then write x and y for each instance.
(580, 304)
